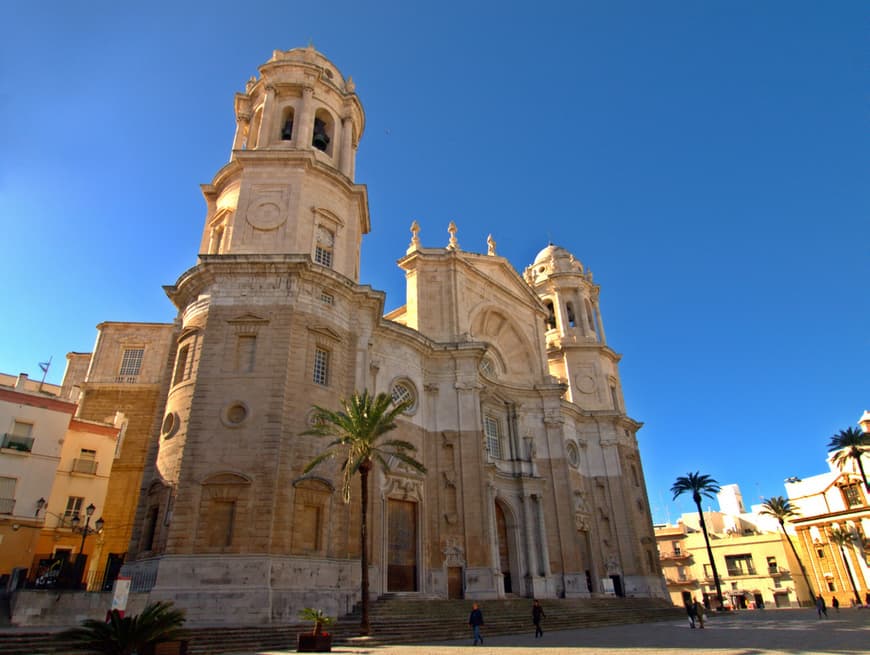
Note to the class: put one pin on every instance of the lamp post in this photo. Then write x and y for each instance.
(86, 530)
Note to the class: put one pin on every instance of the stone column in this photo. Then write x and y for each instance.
(531, 545)
(306, 119)
(597, 312)
(344, 157)
(268, 119)
(542, 533)
(243, 124)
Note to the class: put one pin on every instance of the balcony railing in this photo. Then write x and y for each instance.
(674, 554)
(7, 505)
(87, 466)
(736, 573)
(126, 379)
(776, 570)
(14, 442)
(680, 581)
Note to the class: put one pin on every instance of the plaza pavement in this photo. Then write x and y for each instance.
(750, 632)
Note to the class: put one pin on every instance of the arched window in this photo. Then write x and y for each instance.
(572, 319)
(402, 391)
(551, 316)
(324, 130)
(591, 318)
(287, 124)
(324, 246)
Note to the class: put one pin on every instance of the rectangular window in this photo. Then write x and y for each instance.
(831, 586)
(181, 365)
(493, 436)
(820, 552)
(677, 548)
(323, 256)
(221, 517)
(150, 528)
(852, 494)
(131, 362)
(739, 565)
(327, 298)
(321, 366)
(7, 495)
(86, 462)
(20, 438)
(771, 565)
(73, 508)
(246, 349)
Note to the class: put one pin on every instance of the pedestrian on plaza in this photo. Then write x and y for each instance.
(475, 620)
(867, 598)
(820, 606)
(537, 615)
(690, 610)
(835, 604)
(699, 613)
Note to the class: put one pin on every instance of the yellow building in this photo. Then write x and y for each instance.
(755, 564)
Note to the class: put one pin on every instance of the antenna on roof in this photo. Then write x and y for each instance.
(44, 366)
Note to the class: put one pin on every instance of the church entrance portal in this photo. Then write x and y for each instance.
(402, 549)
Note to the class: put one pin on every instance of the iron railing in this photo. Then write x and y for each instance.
(15, 442)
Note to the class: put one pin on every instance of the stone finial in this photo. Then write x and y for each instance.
(250, 84)
(490, 245)
(415, 236)
(349, 85)
(453, 244)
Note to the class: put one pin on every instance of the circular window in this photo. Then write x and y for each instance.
(234, 414)
(170, 425)
(573, 454)
(487, 366)
(403, 392)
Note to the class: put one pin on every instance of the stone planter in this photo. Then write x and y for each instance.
(310, 643)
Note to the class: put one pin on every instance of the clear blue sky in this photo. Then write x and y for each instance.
(707, 160)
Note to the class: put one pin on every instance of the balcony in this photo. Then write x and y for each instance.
(674, 555)
(776, 570)
(681, 581)
(7, 505)
(14, 442)
(737, 573)
(85, 466)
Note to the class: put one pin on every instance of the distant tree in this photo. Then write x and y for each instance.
(700, 485)
(782, 510)
(849, 445)
(843, 538)
(357, 431)
(158, 623)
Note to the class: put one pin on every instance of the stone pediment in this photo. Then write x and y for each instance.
(325, 331)
(497, 270)
(248, 317)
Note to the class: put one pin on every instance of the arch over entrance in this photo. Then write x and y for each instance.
(504, 526)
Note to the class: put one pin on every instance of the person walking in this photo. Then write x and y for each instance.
(699, 613)
(537, 615)
(835, 604)
(690, 611)
(475, 620)
(820, 606)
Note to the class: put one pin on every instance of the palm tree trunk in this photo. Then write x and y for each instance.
(863, 477)
(710, 555)
(849, 572)
(800, 563)
(364, 627)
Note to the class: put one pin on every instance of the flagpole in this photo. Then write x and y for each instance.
(44, 366)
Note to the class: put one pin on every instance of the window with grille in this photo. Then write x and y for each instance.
(324, 247)
(852, 494)
(403, 392)
(7, 495)
(327, 298)
(131, 362)
(86, 462)
(321, 366)
(493, 436)
(739, 565)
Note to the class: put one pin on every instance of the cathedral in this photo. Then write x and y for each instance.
(534, 485)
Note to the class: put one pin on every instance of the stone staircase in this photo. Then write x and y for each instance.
(399, 619)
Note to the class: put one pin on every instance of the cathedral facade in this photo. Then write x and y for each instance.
(534, 484)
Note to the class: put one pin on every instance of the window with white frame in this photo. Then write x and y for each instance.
(131, 362)
(73, 508)
(321, 366)
(492, 430)
(7, 495)
(21, 437)
(323, 248)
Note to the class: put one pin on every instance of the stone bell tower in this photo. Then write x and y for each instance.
(288, 187)
(270, 321)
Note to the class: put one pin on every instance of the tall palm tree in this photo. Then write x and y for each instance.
(842, 538)
(700, 485)
(849, 445)
(782, 510)
(159, 622)
(357, 430)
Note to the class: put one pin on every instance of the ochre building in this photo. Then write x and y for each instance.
(534, 484)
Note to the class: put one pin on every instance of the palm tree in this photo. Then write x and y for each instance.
(849, 445)
(357, 430)
(159, 622)
(782, 510)
(700, 485)
(842, 538)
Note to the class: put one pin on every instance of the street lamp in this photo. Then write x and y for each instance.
(87, 530)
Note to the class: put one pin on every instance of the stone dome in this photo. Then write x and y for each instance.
(550, 260)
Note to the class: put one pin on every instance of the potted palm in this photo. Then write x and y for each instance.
(316, 641)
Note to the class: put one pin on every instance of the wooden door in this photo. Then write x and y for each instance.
(402, 546)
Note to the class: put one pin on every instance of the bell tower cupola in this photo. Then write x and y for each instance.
(577, 350)
(289, 188)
